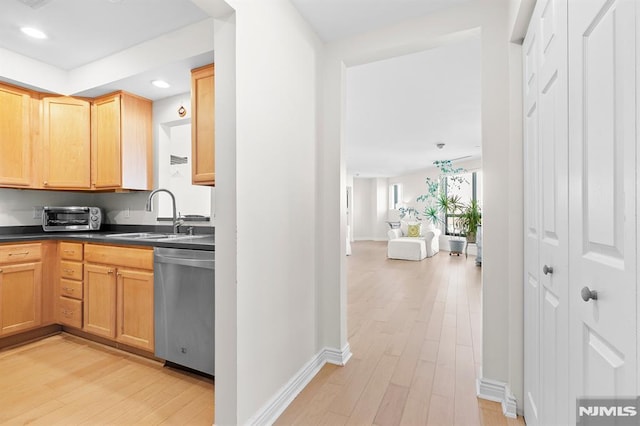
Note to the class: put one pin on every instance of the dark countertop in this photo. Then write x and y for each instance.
(200, 241)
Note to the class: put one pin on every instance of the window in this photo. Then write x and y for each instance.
(395, 196)
(467, 186)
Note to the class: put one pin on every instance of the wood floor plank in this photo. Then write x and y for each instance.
(368, 404)
(392, 405)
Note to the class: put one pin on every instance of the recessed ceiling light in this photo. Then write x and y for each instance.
(33, 32)
(161, 84)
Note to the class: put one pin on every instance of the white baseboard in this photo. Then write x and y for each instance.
(337, 357)
(268, 414)
(496, 391)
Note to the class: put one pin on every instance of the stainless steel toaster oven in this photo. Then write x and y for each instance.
(71, 218)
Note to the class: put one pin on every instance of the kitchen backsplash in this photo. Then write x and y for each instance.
(17, 206)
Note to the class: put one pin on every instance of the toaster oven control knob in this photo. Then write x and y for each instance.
(94, 218)
(94, 211)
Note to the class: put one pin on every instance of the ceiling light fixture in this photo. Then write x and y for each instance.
(440, 145)
(33, 32)
(161, 84)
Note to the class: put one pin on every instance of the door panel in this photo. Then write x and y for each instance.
(603, 188)
(553, 167)
(532, 292)
(546, 216)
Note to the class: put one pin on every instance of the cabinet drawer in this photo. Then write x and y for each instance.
(119, 256)
(71, 251)
(20, 252)
(70, 312)
(69, 288)
(71, 270)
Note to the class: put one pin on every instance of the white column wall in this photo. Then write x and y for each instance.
(381, 209)
(363, 208)
(277, 57)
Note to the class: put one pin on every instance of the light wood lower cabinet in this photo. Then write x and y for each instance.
(70, 289)
(20, 287)
(135, 308)
(100, 300)
(118, 295)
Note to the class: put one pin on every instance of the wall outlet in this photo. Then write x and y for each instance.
(37, 212)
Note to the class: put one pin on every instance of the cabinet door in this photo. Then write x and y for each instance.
(15, 134)
(106, 166)
(135, 308)
(66, 143)
(100, 300)
(203, 126)
(20, 296)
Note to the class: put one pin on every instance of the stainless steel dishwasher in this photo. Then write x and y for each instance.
(184, 307)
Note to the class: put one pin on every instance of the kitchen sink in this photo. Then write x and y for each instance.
(154, 236)
(134, 235)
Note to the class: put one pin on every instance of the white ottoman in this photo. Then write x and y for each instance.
(407, 248)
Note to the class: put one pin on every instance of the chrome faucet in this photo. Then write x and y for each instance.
(176, 220)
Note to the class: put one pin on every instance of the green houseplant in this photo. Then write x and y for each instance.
(453, 206)
(470, 219)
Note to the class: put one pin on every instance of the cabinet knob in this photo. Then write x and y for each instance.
(109, 271)
(45, 183)
(0, 271)
(588, 294)
(547, 270)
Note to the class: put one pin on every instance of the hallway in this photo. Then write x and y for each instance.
(415, 334)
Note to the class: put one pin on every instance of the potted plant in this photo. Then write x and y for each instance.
(452, 206)
(470, 220)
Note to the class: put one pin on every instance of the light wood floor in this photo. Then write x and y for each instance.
(415, 333)
(65, 380)
(414, 330)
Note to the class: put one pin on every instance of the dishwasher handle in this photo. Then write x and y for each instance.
(194, 263)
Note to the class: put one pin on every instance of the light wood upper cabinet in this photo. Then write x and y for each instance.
(121, 141)
(15, 135)
(20, 287)
(66, 139)
(203, 126)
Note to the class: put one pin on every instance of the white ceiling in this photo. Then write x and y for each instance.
(337, 19)
(84, 32)
(399, 109)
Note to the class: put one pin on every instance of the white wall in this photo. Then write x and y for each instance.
(363, 208)
(502, 206)
(172, 135)
(370, 207)
(275, 188)
(17, 205)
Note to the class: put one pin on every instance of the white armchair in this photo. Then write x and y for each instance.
(401, 246)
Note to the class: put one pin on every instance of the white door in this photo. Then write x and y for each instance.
(602, 91)
(546, 266)
(530, 52)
